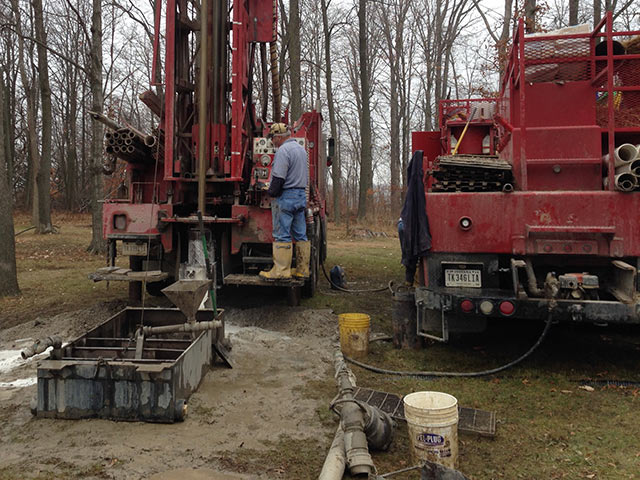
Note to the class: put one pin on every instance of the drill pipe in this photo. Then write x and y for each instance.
(153, 101)
(40, 346)
(631, 167)
(334, 464)
(361, 424)
(100, 117)
(625, 182)
(183, 327)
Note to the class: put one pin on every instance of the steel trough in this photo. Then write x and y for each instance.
(98, 374)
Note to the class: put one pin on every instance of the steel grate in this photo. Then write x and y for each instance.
(471, 420)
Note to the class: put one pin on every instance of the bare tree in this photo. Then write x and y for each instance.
(95, 157)
(336, 173)
(393, 19)
(366, 169)
(43, 177)
(8, 274)
(501, 41)
(31, 106)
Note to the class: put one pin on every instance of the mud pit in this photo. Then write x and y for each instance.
(276, 352)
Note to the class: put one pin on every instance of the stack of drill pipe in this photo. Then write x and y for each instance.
(470, 179)
(626, 160)
(130, 145)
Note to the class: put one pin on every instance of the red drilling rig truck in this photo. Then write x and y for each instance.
(206, 167)
(532, 197)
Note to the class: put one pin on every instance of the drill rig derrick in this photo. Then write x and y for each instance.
(212, 154)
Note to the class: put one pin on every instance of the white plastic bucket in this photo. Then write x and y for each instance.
(432, 421)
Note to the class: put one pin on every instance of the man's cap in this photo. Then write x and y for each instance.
(278, 129)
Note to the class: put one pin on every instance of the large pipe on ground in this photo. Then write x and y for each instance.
(336, 461)
(41, 345)
(361, 427)
(352, 422)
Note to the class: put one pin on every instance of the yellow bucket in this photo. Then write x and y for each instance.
(354, 334)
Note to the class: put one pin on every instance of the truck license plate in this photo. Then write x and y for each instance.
(134, 248)
(462, 278)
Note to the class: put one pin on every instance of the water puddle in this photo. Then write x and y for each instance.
(20, 383)
(10, 360)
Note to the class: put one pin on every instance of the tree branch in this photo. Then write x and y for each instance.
(55, 52)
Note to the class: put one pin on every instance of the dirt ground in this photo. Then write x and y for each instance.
(259, 401)
(268, 418)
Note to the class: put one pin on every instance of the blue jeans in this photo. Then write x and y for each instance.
(287, 213)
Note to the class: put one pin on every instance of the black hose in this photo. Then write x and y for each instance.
(457, 374)
(342, 289)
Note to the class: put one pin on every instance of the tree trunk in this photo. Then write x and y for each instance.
(573, 11)
(335, 167)
(44, 172)
(294, 60)
(597, 12)
(530, 15)
(503, 41)
(32, 136)
(72, 160)
(8, 274)
(95, 155)
(8, 145)
(366, 172)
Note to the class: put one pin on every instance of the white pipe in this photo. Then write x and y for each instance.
(629, 167)
(334, 464)
(624, 153)
(625, 182)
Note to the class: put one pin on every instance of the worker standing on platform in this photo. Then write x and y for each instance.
(287, 188)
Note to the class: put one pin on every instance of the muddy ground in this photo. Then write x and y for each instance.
(268, 418)
(276, 352)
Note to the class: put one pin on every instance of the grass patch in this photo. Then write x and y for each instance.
(286, 458)
(53, 269)
(548, 427)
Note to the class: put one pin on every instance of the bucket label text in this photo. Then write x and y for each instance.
(430, 439)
